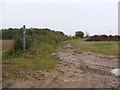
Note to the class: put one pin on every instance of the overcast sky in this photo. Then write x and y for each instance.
(92, 16)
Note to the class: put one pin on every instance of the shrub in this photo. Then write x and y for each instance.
(103, 35)
(79, 34)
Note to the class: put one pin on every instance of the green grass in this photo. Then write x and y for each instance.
(5, 53)
(104, 47)
(61, 72)
(73, 41)
(39, 58)
(0, 55)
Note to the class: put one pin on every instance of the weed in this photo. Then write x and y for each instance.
(62, 72)
(55, 79)
(9, 84)
(21, 76)
(66, 64)
(37, 76)
(75, 71)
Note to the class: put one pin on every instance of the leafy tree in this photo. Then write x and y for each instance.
(79, 34)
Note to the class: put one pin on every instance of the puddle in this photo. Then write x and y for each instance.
(116, 72)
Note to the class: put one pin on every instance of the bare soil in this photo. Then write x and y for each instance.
(6, 44)
(76, 69)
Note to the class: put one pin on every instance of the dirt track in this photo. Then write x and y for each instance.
(96, 67)
(89, 61)
(76, 69)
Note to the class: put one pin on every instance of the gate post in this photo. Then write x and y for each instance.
(24, 41)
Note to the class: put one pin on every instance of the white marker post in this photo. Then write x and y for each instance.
(24, 31)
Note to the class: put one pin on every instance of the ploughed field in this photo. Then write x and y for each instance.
(103, 38)
(6, 44)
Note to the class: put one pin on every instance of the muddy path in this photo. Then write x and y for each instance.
(75, 69)
(88, 61)
(93, 63)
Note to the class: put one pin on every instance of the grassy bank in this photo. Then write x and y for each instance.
(38, 55)
(31, 61)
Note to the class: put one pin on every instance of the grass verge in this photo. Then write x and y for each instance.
(103, 47)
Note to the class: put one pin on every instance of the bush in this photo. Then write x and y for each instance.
(79, 34)
(103, 35)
